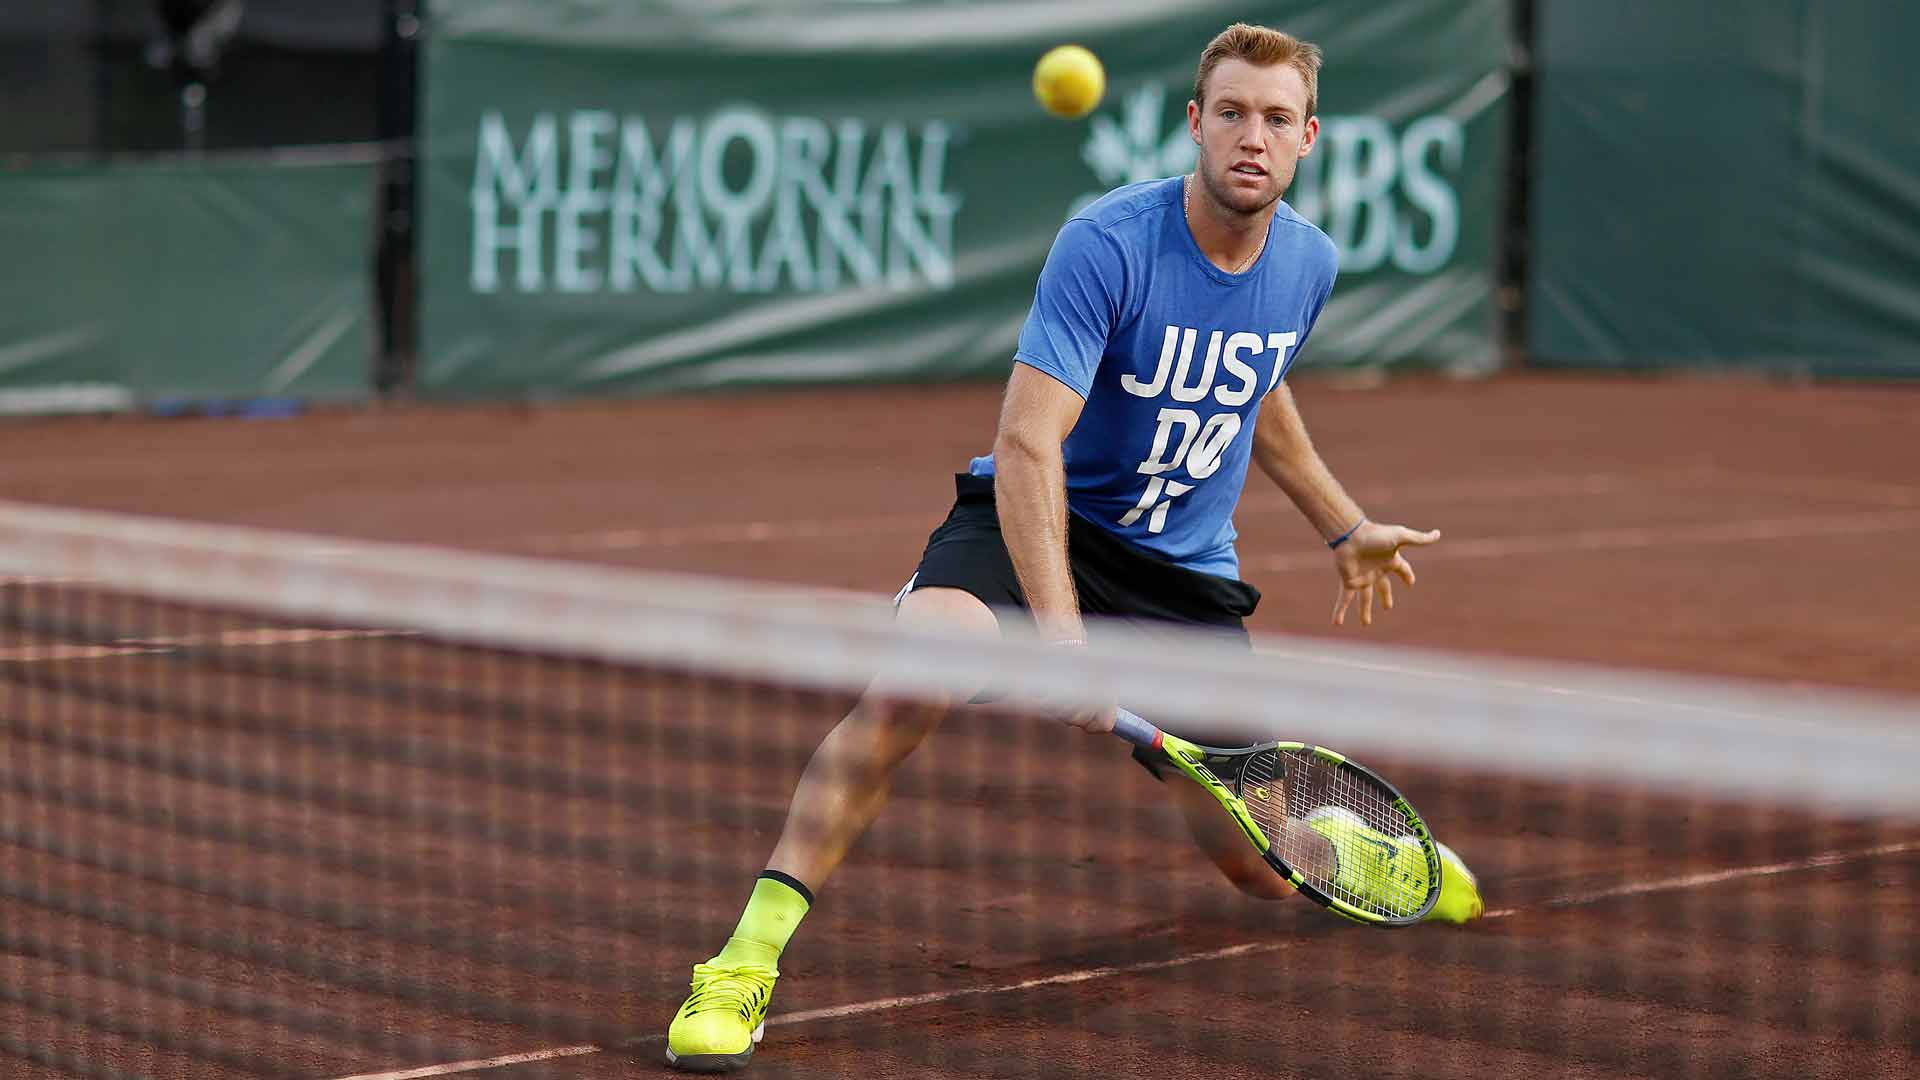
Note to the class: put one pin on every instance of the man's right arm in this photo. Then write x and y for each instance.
(1030, 491)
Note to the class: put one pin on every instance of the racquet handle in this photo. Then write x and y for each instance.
(1134, 730)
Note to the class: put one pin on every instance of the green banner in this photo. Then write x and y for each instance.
(1723, 190)
(138, 284)
(625, 196)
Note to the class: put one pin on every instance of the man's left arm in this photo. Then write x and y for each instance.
(1366, 554)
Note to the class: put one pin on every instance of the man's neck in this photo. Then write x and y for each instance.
(1229, 240)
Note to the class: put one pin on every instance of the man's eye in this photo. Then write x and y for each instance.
(1229, 114)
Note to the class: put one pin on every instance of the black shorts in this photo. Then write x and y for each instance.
(1113, 579)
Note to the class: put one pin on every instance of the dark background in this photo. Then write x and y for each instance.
(104, 76)
(1688, 186)
(90, 79)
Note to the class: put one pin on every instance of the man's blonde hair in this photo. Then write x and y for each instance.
(1262, 47)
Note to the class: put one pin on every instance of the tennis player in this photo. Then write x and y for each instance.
(1149, 374)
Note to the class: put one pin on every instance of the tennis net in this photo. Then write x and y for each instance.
(283, 805)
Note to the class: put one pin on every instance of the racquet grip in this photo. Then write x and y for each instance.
(1134, 730)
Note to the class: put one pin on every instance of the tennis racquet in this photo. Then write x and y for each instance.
(1343, 837)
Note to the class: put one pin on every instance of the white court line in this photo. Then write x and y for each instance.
(835, 1012)
(1627, 539)
(1492, 547)
(1483, 679)
(1551, 486)
(766, 531)
(250, 639)
(1887, 495)
(732, 532)
(453, 1067)
(1714, 877)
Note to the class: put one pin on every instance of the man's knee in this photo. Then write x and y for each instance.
(899, 714)
(895, 724)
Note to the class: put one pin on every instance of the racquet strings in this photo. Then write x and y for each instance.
(1339, 829)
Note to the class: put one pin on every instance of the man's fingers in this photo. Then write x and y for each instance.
(1366, 605)
(1386, 592)
(1092, 721)
(1416, 537)
(1401, 569)
(1340, 607)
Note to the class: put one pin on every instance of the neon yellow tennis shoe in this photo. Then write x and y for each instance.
(1459, 899)
(1387, 873)
(722, 1020)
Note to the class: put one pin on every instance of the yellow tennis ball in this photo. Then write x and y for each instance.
(1069, 80)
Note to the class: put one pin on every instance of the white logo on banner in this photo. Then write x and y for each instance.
(738, 199)
(1385, 197)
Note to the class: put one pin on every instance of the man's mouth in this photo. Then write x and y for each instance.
(1248, 168)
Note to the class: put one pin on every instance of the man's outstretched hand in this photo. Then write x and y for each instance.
(1370, 560)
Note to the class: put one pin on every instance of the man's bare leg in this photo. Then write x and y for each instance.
(840, 793)
(847, 780)
(1219, 836)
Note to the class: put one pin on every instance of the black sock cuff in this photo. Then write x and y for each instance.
(790, 882)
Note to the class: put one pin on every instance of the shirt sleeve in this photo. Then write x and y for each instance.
(1315, 304)
(1075, 306)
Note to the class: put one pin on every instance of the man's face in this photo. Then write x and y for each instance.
(1252, 132)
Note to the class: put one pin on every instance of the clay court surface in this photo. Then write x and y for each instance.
(1728, 527)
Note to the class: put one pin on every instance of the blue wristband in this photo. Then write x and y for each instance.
(1342, 538)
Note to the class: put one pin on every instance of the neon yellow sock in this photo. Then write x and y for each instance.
(773, 913)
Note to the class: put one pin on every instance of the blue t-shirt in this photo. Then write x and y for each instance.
(1173, 356)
